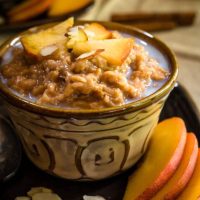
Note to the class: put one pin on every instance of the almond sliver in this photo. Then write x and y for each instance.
(74, 30)
(89, 55)
(86, 197)
(35, 190)
(48, 50)
(45, 196)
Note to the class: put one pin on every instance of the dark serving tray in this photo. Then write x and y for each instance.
(179, 104)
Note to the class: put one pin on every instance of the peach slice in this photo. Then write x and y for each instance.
(28, 10)
(35, 42)
(115, 50)
(61, 7)
(192, 190)
(97, 31)
(160, 162)
(178, 181)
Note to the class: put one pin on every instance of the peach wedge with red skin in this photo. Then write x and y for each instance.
(160, 162)
(179, 180)
(97, 31)
(115, 50)
(35, 42)
(192, 190)
(22, 6)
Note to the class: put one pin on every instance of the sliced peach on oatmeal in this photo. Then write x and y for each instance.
(115, 50)
(35, 42)
(97, 31)
(160, 162)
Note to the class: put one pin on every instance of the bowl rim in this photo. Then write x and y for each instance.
(10, 98)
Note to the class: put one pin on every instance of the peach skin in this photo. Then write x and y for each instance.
(160, 162)
(179, 180)
(192, 190)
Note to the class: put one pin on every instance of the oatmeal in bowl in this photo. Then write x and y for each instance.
(83, 70)
(88, 92)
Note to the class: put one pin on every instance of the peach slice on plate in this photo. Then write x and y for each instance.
(61, 7)
(160, 162)
(115, 50)
(192, 190)
(22, 6)
(28, 10)
(178, 181)
(35, 42)
(97, 31)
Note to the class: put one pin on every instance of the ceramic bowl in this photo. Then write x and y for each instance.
(89, 144)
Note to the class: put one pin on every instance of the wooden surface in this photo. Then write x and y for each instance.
(184, 41)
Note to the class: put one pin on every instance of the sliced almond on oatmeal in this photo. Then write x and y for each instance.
(74, 30)
(89, 55)
(97, 31)
(45, 196)
(48, 50)
(35, 42)
(36, 190)
(115, 50)
(78, 35)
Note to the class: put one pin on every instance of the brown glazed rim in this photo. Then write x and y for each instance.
(22, 103)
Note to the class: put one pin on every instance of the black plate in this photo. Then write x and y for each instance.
(179, 104)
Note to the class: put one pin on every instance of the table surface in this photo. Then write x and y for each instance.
(184, 41)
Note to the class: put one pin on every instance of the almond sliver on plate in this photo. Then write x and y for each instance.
(86, 197)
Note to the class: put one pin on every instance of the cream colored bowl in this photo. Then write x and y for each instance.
(89, 144)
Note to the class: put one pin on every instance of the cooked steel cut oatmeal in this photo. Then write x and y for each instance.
(80, 70)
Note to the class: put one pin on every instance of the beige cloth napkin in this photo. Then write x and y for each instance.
(103, 9)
